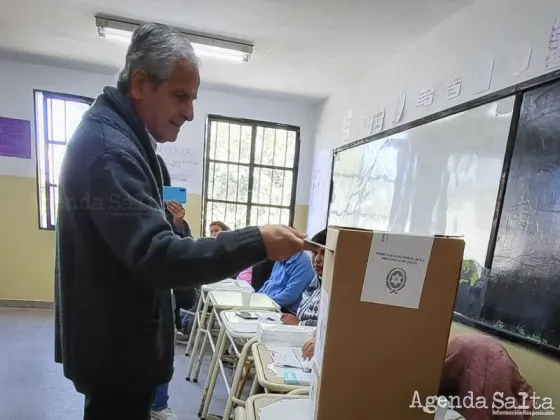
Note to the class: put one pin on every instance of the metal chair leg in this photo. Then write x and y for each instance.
(212, 372)
(195, 326)
(213, 375)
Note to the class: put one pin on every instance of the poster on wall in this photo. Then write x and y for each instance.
(399, 111)
(378, 119)
(15, 138)
(553, 54)
(484, 76)
(454, 88)
(319, 193)
(183, 163)
(346, 127)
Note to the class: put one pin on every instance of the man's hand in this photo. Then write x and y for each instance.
(289, 319)
(282, 242)
(178, 213)
(309, 349)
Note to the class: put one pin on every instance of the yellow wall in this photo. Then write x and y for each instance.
(27, 253)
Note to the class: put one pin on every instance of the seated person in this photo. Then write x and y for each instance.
(246, 275)
(260, 273)
(288, 281)
(308, 310)
(217, 227)
(480, 365)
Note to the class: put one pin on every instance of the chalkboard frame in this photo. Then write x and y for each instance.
(518, 91)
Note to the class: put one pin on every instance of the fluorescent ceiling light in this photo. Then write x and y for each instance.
(204, 45)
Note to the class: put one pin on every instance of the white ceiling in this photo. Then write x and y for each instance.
(305, 48)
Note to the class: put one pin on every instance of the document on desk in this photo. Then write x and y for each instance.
(293, 409)
(289, 358)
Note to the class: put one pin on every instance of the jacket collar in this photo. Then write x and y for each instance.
(123, 107)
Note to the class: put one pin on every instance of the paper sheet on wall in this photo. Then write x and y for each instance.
(484, 77)
(553, 51)
(318, 201)
(367, 121)
(15, 138)
(425, 98)
(378, 120)
(454, 88)
(347, 127)
(396, 269)
(520, 58)
(319, 192)
(183, 163)
(399, 112)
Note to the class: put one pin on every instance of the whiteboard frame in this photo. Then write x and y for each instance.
(518, 92)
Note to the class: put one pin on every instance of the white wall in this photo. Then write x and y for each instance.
(17, 81)
(459, 47)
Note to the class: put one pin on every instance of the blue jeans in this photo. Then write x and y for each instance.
(161, 397)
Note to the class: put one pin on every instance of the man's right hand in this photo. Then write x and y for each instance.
(282, 242)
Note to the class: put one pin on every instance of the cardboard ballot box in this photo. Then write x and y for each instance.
(386, 308)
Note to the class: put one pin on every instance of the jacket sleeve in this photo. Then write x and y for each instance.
(301, 275)
(134, 226)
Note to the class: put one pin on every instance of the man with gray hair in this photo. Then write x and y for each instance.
(117, 256)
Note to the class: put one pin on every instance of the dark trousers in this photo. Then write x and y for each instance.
(108, 406)
(184, 299)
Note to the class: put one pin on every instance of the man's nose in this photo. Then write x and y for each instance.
(188, 112)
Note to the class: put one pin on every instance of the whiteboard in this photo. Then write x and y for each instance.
(438, 178)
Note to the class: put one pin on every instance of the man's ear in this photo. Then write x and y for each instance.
(138, 84)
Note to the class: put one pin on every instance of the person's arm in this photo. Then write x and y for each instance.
(181, 229)
(246, 275)
(301, 275)
(134, 227)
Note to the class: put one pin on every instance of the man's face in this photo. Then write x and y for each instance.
(166, 107)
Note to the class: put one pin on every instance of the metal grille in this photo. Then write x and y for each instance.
(56, 118)
(250, 172)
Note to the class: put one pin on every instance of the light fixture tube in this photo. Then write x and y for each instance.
(207, 46)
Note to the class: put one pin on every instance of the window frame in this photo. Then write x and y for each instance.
(44, 137)
(210, 118)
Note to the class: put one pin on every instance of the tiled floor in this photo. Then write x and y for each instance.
(32, 386)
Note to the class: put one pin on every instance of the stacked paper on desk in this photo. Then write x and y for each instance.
(293, 409)
(250, 326)
(229, 284)
(289, 358)
(288, 363)
(284, 335)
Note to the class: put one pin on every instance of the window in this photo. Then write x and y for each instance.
(56, 118)
(250, 174)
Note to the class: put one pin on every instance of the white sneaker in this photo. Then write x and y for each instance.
(166, 414)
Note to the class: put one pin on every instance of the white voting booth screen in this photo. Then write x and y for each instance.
(438, 178)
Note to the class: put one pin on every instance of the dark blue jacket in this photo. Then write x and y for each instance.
(117, 256)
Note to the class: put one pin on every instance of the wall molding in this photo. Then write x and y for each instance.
(35, 304)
